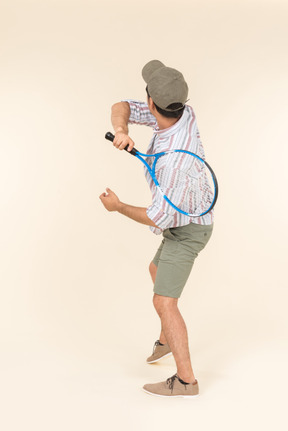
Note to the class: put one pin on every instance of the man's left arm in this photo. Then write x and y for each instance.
(112, 203)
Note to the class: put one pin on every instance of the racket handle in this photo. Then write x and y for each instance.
(111, 137)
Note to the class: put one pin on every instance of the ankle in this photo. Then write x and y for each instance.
(187, 379)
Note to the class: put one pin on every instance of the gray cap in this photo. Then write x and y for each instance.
(165, 85)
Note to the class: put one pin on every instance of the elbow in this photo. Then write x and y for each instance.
(116, 105)
(120, 107)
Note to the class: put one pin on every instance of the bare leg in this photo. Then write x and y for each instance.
(176, 334)
(153, 272)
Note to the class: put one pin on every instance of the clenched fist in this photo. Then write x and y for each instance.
(110, 200)
(121, 140)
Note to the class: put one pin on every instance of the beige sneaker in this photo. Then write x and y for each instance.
(159, 352)
(173, 387)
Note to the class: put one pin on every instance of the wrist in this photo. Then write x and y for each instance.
(120, 207)
(121, 129)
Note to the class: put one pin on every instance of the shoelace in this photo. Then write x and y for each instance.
(170, 382)
(157, 343)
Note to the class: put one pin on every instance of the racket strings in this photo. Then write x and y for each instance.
(185, 181)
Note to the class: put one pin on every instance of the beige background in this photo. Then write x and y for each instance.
(76, 317)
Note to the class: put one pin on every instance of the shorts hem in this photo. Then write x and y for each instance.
(169, 295)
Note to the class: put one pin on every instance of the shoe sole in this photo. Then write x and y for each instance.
(159, 359)
(170, 396)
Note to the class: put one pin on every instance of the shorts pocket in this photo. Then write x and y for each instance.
(168, 233)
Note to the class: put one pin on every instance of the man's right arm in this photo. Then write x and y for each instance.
(119, 117)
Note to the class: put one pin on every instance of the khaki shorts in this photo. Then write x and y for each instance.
(175, 257)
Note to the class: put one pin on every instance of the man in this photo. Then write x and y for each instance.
(174, 127)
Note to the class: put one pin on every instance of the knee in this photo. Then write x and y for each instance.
(164, 304)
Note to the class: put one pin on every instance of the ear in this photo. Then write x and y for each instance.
(151, 105)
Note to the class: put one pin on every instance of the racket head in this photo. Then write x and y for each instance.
(186, 182)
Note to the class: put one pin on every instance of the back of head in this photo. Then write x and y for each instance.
(167, 88)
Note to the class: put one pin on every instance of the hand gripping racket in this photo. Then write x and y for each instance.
(185, 180)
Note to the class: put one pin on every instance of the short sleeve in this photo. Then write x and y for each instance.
(160, 218)
(140, 114)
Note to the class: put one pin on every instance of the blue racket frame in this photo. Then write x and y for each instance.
(151, 170)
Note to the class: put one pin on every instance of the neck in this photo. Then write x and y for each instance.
(162, 122)
(165, 123)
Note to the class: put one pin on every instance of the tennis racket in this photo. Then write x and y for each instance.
(185, 180)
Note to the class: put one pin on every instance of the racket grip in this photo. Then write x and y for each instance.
(110, 137)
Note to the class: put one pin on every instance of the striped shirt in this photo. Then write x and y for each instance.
(183, 135)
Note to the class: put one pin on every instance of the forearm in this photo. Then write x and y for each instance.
(112, 203)
(135, 213)
(120, 116)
